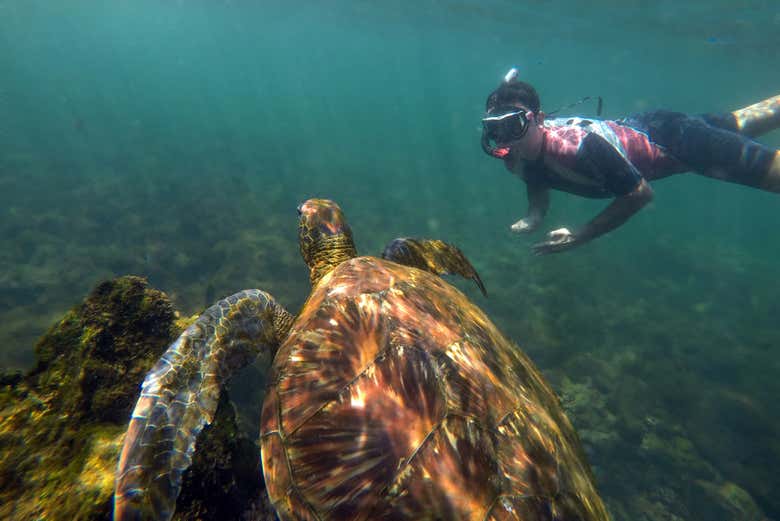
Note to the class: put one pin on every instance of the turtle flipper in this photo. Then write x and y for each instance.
(179, 397)
(432, 255)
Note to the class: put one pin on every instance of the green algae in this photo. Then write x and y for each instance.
(90, 363)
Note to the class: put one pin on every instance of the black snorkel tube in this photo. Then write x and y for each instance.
(487, 147)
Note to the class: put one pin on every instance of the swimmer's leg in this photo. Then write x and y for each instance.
(759, 118)
(726, 155)
(712, 146)
(751, 121)
(772, 178)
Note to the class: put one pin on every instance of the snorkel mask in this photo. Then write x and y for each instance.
(503, 125)
(509, 125)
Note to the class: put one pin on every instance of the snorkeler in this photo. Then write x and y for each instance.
(617, 158)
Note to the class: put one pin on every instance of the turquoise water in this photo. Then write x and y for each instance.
(175, 139)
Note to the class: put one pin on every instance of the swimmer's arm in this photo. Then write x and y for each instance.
(618, 212)
(614, 215)
(538, 203)
(599, 160)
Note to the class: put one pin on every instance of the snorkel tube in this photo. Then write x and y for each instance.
(487, 147)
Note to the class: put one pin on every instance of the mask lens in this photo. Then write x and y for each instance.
(506, 127)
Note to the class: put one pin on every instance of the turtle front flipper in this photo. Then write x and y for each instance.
(179, 397)
(432, 255)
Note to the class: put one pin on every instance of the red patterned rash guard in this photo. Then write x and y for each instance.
(596, 158)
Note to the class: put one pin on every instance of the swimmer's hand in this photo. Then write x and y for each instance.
(559, 240)
(524, 226)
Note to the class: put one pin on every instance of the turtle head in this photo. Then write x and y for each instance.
(324, 236)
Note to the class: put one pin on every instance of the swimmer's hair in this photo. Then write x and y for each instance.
(512, 92)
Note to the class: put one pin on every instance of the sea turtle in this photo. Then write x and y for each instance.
(391, 396)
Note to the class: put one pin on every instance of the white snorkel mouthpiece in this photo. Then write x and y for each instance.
(512, 74)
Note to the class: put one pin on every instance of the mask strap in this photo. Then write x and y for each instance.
(599, 106)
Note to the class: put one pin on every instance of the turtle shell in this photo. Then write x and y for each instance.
(395, 397)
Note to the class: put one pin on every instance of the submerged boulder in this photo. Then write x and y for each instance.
(63, 423)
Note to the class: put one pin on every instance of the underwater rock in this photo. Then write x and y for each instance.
(732, 430)
(648, 458)
(655, 506)
(62, 425)
(667, 446)
(90, 364)
(596, 425)
(224, 481)
(726, 501)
